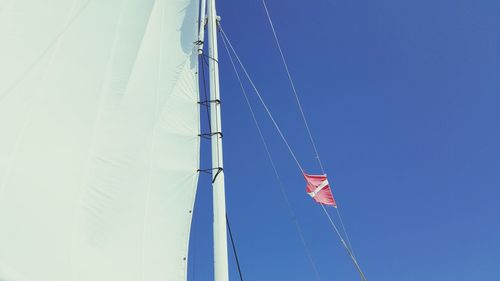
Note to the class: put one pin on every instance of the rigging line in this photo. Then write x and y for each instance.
(354, 261)
(205, 92)
(273, 165)
(293, 87)
(292, 84)
(344, 230)
(209, 111)
(288, 146)
(234, 249)
(260, 97)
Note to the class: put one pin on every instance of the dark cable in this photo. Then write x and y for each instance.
(234, 249)
(205, 92)
(205, 59)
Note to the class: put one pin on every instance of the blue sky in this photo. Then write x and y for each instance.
(402, 98)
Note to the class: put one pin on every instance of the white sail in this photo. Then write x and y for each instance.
(99, 145)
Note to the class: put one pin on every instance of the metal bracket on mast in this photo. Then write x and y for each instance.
(208, 102)
(211, 172)
(209, 135)
(200, 43)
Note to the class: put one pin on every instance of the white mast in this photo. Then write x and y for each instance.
(220, 235)
(202, 22)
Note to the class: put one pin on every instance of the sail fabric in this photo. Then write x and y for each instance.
(318, 188)
(99, 146)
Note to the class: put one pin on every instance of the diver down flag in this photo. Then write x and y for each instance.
(319, 189)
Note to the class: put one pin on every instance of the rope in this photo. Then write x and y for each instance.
(293, 88)
(209, 110)
(259, 96)
(344, 229)
(349, 251)
(207, 99)
(273, 165)
(351, 255)
(292, 84)
(234, 248)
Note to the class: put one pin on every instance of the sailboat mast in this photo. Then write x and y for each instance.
(219, 202)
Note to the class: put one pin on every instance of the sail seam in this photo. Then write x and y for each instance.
(29, 114)
(93, 143)
(152, 147)
(45, 51)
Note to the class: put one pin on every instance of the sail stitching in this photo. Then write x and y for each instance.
(97, 121)
(55, 40)
(28, 116)
(152, 145)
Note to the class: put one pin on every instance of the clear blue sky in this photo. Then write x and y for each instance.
(403, 100)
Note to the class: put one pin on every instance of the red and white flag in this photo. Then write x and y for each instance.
(319, 189)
